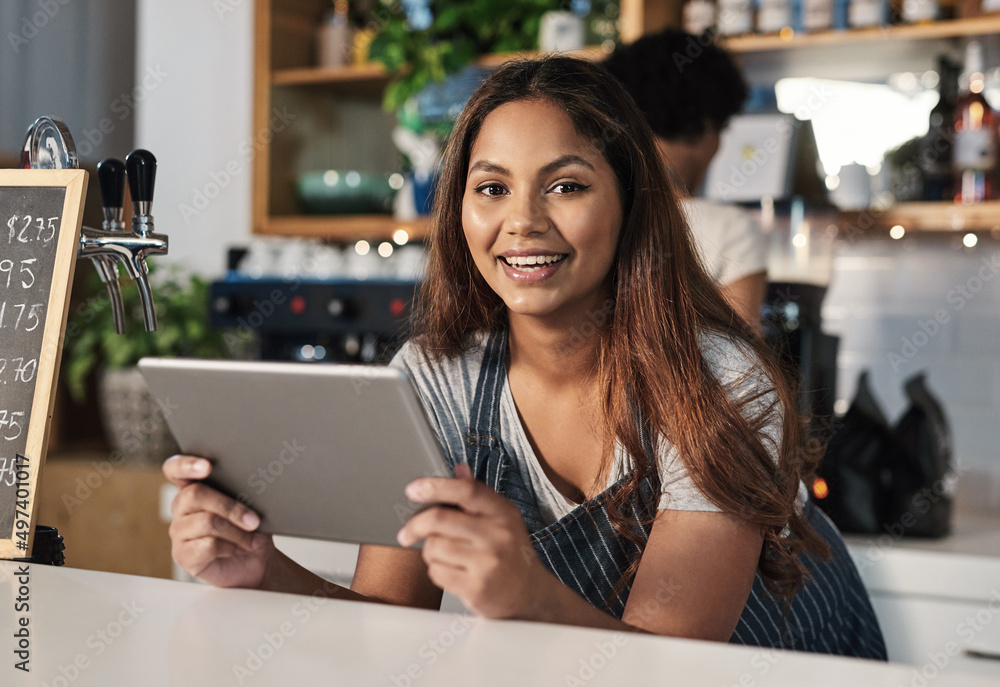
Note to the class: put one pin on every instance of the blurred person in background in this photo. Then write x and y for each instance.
(688, 98)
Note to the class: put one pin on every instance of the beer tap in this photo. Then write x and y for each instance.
(111, 177)
(141, 166)
(132, 248)
(49, 145)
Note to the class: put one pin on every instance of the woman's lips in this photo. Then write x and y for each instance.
(530, 273)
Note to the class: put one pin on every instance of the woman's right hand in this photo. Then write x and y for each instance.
(213, 535)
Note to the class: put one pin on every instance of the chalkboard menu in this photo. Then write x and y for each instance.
(40, 215)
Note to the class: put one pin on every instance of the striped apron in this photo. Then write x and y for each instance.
(831, 614)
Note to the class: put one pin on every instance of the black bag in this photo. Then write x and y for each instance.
(854, 470)
(923, 481)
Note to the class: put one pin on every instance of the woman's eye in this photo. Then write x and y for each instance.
(491, 189)
(568, 187)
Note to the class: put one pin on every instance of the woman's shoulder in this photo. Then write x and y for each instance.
(730, 359)
(446, 384)
(443, 378)
(415, 355)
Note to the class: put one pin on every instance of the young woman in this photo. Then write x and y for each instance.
(621, 459)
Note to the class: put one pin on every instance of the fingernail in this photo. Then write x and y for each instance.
(200, 467)
(403, 538)
(417, 490)
(250, 520)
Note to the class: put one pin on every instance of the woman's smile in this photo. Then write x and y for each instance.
(531, 266)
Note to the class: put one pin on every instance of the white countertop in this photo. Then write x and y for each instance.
(963, 566)
(91, 628)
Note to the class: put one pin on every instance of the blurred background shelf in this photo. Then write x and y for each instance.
(956, 28)
(372, 74)
(928, 217)
(343, 227)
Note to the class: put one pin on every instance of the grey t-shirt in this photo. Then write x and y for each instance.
(447, 385)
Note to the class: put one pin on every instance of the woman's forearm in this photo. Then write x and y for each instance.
(557, 603)
(285, 575)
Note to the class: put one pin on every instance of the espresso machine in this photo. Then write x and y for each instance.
(345, 311)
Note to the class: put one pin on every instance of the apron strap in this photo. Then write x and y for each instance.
(485, 452)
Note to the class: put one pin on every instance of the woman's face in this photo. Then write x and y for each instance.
(541, 212)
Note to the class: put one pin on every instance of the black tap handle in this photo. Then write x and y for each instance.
(111, 176)
(141, 166)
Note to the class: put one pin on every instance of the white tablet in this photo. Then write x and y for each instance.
(320, 451)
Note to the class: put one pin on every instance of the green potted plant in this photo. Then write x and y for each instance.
(132, 420)
(459, 31)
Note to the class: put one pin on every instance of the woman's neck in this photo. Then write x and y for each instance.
(559, 355)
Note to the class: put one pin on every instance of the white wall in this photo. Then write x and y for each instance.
(932, 305)
(196, 57)
(73, 61)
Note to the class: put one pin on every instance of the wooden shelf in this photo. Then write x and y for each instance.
(370, 72)
(927, 217)
(976, 26)
(373, 73)
(344, 227)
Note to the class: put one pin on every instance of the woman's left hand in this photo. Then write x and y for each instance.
(479, 550)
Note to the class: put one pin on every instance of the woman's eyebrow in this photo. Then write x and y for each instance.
(565, 161)
(558, 163)
(488, 167)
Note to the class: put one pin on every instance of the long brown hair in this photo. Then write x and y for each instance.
(650, 356)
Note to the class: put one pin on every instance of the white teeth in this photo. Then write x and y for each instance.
(528, 260)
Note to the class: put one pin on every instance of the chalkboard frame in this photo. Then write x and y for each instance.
(74, 181)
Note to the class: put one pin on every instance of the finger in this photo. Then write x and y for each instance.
(181, 470)
(448, 577)
(463, 471)
(447, 522)
(197, 554)
(454, 553)
(469, 495)
(199, 497)
(206, 524)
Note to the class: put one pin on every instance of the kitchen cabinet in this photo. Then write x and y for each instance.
(316, 118)
(937, 600)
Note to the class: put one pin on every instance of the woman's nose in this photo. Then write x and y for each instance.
(527, 215)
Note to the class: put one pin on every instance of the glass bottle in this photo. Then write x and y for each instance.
(974, 152)
(937, 145)
(699, 16)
